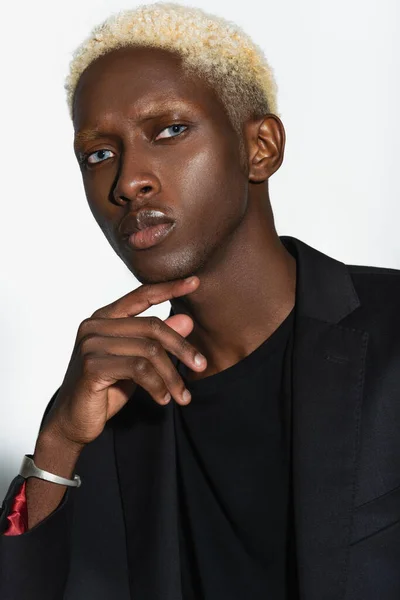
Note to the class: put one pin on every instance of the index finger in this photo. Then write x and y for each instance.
(146, 295)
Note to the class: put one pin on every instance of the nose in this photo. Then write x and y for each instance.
(134, 185)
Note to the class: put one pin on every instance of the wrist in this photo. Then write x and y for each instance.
(56, 454)
(51, 438)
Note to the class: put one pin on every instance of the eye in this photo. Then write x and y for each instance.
(98, 152)
(171, 127)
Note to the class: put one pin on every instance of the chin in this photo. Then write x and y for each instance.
(149, 279)
(149, 267)
(158, 275)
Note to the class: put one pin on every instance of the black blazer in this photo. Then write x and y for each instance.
(116, 536)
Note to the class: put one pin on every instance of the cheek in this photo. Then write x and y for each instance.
(96, 192)
(211, 184)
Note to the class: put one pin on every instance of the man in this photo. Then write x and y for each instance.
(281, 477)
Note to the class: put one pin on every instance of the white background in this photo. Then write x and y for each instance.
(337, 66)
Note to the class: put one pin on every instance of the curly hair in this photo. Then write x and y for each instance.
(216, 50)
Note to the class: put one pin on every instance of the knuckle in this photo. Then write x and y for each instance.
(141, 365)
(90, 364)
(154, 323)
(86, 343)
(146, 291)
(84, 326)
(146, 288)
(184, 347)
(153, 349)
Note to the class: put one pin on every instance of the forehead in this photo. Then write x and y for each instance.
(129, 81)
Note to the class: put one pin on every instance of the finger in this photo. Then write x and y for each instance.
(140, 299)
(108, 369)
(153, 353)
(181, 323)
(152, 328)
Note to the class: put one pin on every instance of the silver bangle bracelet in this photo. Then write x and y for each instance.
(29, 469)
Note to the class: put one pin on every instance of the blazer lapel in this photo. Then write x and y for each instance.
(327, 384)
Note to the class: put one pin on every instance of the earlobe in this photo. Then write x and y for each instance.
(267, 146)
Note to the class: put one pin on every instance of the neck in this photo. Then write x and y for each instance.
(244, 297)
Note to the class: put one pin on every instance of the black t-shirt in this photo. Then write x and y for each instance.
(234, 478)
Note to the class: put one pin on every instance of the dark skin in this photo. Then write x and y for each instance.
(194, 173)
(224, 234)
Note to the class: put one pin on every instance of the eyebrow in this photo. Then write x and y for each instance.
(154, 111)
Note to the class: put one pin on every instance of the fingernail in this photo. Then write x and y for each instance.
(186, 396)
(189, 279)
(199, 360)
(167, 398)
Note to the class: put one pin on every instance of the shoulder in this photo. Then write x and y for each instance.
(378, 290)
(378, 287)
(370, 272)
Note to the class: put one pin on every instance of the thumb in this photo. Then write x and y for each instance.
(182, 324)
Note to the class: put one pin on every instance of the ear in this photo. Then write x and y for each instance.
(266, 145)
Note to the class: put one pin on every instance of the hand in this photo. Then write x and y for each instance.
(114, 351)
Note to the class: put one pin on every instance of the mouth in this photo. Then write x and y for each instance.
(150, 236)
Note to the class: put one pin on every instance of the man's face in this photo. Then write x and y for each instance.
(192, 173)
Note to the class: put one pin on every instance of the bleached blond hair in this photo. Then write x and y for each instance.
(215, 49)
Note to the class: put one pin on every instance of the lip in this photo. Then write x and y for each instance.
(148, 217)
(150, 236)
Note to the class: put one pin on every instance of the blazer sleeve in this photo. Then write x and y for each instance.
(35, 564)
